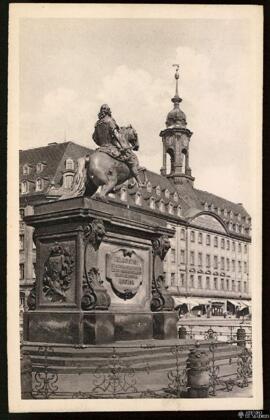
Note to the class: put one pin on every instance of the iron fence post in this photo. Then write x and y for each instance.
(197, 373)
(241, 337)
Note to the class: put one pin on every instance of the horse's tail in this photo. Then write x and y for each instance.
(90, 186)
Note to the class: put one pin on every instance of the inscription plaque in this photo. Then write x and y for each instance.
(124, 271)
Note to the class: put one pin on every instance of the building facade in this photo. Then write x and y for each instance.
(207, 267)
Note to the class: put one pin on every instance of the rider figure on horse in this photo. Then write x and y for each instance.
(108, 137)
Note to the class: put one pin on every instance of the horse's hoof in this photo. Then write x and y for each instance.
(103, 198)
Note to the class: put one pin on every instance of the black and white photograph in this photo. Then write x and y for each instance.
(134, 220)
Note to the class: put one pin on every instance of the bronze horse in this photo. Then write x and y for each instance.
(102, 170)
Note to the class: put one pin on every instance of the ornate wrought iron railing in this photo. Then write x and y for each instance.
(141, 371)
(219, 332)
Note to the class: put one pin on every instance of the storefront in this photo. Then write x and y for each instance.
(194, 306)
(239, 307)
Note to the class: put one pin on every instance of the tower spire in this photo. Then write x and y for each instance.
(176, 99)
(175, 139)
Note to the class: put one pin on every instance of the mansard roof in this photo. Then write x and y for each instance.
(53, 157)
(191, 200)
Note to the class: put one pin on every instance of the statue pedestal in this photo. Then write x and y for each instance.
(96, 268)
(164, 325)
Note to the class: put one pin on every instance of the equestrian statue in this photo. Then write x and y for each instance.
(112, 163)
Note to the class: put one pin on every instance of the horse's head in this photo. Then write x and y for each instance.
(131, 136)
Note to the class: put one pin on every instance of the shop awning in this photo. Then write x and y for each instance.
(190, 302)
(233, 302)
(246, 302)
(179, 301)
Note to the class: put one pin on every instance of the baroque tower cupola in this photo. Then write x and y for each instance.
(175, 139)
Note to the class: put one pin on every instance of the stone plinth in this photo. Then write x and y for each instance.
(164, 325)
(99, 270)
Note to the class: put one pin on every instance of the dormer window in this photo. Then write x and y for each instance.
(39, 184)
(161, 206)
(69, 164)
(26, 169)
(179, 211)
(152, 203)
(68, 180)
(24, 187)
(123, 194)
(175, 197)
(167, 193)
(219, 211)
(212, 207)
(158, 190)
(239, 217)
(205, 206)
(39, 167)
(149, 187)
(171, 208)
(230, 225)
(231, 214)
(225, 212)
(138, 198)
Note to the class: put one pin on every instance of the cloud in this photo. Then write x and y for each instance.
(214, 88)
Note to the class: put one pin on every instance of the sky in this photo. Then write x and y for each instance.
(69, 67)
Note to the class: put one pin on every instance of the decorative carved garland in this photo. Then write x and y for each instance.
(161, 300)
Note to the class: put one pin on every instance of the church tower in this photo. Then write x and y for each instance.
(175, 139)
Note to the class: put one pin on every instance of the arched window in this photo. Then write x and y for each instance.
(39, 184)
(152, 203)
(26, 169)
(68, 180)
(123, 193)
(175, 197)
(206, 206)
(39, 167)
(169, 161)
(69, 164)
(149, 187)
(225, 212)
(167, 193)
(138, 198)
(231, 214)
(24, 187)
(219, 211)
(179, 211)
(171, 208)
(212, 207)
(161, 206)
(158, 190)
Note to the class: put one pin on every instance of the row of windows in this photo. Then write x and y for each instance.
(22, 273)
(208, 283)
(39, 184)
(69, 165)
(225, 212)
(217, 264)
(216, 241)
(157, 189)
